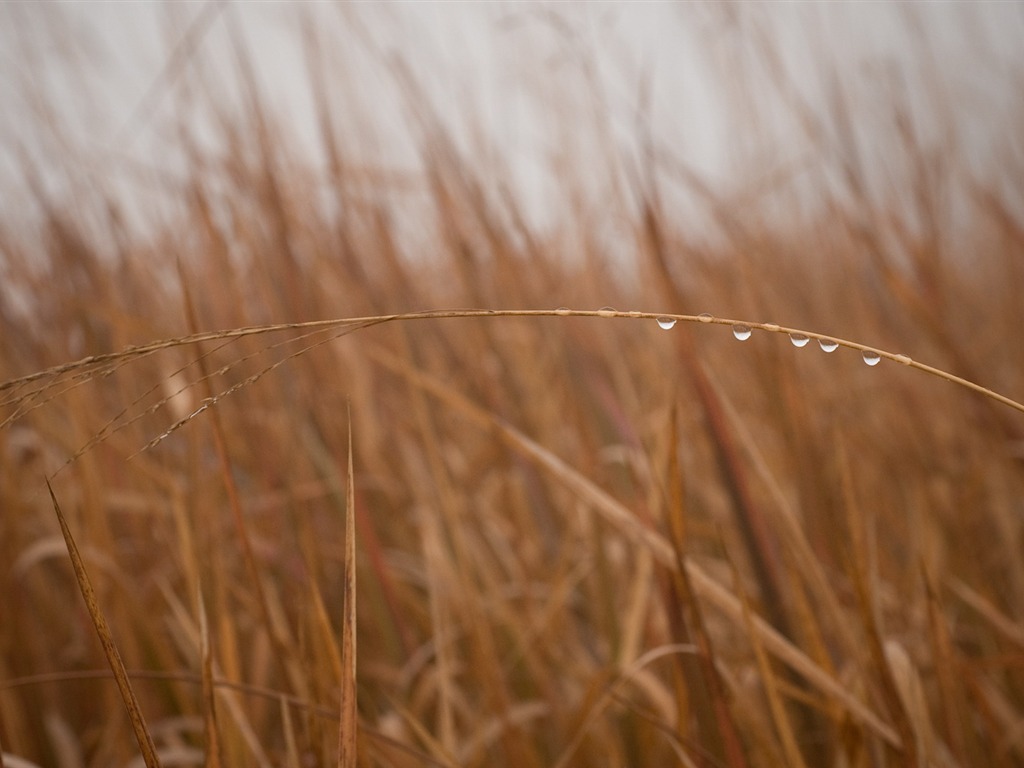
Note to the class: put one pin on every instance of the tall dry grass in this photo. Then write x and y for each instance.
(578, 540)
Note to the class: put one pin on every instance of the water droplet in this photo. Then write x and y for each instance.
(828, 345)
(771, 327)
(606, 311)
(905, 359)
(798, 339)
(635, 313)
(871, 358)
(563, 311)
(741, 332)
(704, 317)
(666, 322)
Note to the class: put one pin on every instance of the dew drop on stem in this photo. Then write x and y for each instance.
(666, 322)
(828, 345)
(799, 339)
(741, 332)
(871, 358)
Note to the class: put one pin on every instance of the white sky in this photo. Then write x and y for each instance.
(81, 89)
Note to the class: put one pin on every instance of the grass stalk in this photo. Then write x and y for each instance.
(124, 685)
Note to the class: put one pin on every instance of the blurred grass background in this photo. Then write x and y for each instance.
(526, 490)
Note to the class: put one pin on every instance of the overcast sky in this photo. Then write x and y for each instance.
(100, 81)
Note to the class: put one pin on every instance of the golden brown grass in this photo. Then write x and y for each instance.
(576, 538)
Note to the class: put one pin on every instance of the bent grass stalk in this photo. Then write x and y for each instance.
(53, 376)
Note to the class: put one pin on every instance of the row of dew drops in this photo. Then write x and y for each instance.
(744, 332)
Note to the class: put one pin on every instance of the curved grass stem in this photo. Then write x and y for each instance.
(55, 373)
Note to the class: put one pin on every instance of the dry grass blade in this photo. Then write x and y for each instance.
(776, 706)
(785, 522)
(294, 761)
(12, 761)
(605, 693)
(242, 531)
(131, 703)
(951, 697)
(714, 716)
(348, 722)
(226, 690)
(911, 692)
(863, 567)
(1007, 627)
(213, 746)
(691, 694)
